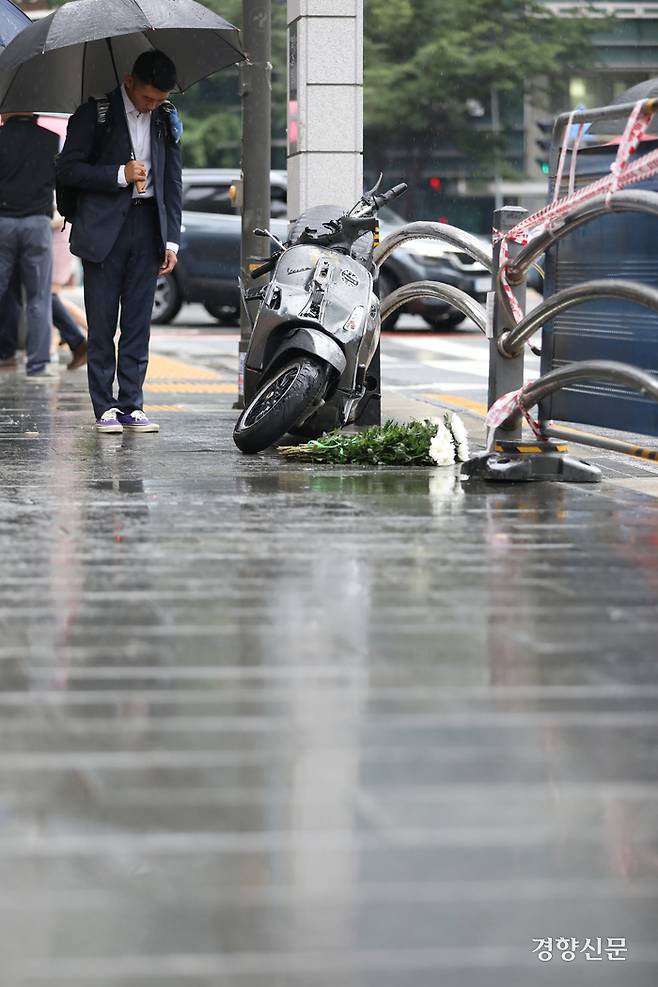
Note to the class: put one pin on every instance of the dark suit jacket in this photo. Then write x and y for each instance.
(103, 204)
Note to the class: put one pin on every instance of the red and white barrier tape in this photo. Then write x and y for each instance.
(621, 174)
(505, 406)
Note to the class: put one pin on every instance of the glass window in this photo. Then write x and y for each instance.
(215, 198)
(207, 198)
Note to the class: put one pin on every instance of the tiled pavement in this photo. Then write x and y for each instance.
(266, 725)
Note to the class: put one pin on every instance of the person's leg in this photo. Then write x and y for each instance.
(35, 260)
(102, 287)
(137, 306)
(75, 312)
(9, 289)
(66, 327)
(10, 316)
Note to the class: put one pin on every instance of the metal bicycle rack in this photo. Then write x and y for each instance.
(583, 380)
(434, 289)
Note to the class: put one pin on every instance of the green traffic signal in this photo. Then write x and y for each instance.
(543, 144)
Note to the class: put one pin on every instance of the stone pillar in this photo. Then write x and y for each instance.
(325, 103)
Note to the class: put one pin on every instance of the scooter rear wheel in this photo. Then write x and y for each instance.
(280, 403)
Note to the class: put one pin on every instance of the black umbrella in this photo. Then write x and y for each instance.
(86, 47)
(12, 20)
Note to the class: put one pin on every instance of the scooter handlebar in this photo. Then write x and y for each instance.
(265, 268)
(392, 193)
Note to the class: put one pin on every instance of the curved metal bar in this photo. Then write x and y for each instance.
(637, 200)
(511, 343)
(434, 231)
(435, 289)
(599, 441)
(610, 112)
(617, 373)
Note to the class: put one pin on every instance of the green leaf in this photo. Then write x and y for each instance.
(391, 444)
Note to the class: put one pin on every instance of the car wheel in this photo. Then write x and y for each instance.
(448, 321)
(167, 301)
(385, 286)
(227, 315)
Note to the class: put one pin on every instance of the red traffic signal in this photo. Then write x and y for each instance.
(435, 183)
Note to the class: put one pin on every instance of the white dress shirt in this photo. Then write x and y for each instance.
(139, 127)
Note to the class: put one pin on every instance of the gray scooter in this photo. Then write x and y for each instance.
(317, 326)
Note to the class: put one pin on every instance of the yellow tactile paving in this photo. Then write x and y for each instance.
(167, 368)
(466, 403)
(180, 387)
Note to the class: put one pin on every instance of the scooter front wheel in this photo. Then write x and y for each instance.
(280, 403)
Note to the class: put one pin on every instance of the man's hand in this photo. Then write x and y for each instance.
(169, 262)
(135, 171)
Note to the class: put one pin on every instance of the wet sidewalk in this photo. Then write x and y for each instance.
(271, 725)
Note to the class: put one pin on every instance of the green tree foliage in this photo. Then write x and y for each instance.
(426, 59)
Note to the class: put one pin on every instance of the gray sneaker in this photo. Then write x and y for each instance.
(48, 374)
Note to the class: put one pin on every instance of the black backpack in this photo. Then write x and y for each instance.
(66, 196)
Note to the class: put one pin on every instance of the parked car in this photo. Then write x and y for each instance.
(209, 256)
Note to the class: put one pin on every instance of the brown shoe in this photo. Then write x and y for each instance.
(10, 363)
(79, 356)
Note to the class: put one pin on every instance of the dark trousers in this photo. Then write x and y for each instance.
(10, 317)
(127, 277)
(26, 243)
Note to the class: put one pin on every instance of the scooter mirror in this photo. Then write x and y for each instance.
(375, 187)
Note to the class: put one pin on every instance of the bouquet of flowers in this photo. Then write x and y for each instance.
(432, 442)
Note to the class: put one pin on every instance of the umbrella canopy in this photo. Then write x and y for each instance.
(86, 47)
(12, 20)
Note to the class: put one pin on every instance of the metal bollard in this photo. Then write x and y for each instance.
(505, 373)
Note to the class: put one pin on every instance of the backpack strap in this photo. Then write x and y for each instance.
(103, 124)
(174, 124)
(102, 109)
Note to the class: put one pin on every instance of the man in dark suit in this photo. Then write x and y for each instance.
(126, 228)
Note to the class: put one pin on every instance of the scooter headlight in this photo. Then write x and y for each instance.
(355, 320)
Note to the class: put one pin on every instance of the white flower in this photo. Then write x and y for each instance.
(456, 427)
(442, 449)
(445, 491)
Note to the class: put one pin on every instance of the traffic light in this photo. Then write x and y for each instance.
(435, 183)
(545, 128)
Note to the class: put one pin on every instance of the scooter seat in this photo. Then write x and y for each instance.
(314, 219)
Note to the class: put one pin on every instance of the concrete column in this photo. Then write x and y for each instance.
(325, 103)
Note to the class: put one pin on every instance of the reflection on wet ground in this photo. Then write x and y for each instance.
(265, 724)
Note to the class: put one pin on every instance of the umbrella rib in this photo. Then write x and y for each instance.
(150, 26)
(108, 42)
(82, 74)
